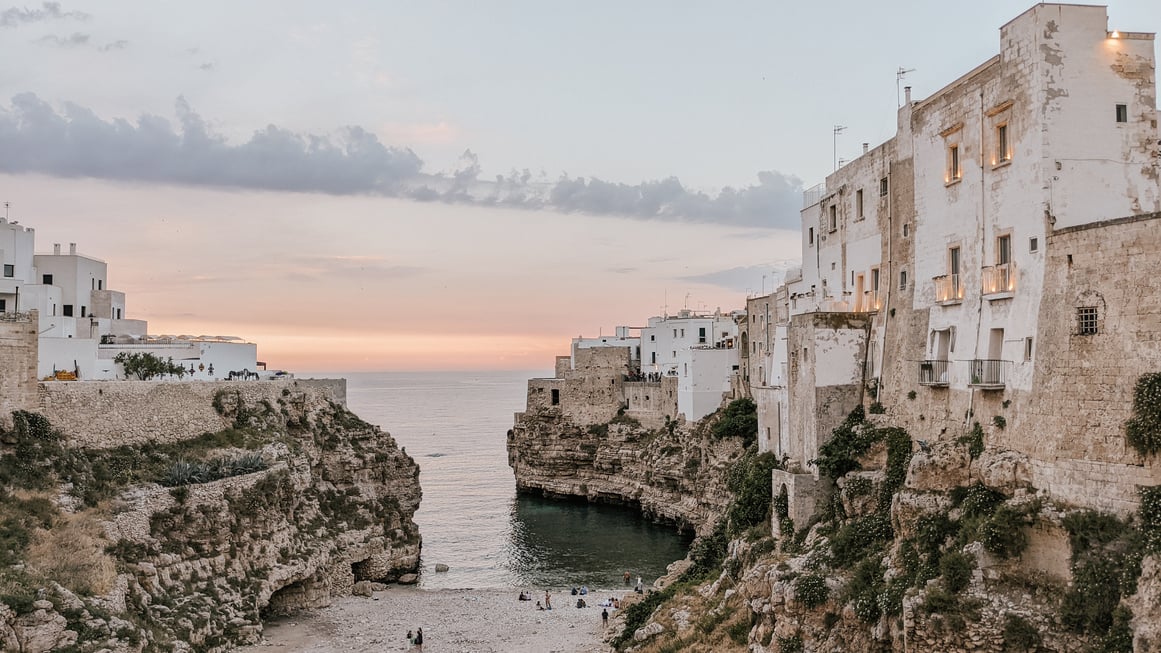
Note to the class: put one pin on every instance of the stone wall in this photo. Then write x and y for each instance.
(110, 413)
(1073, 428)
(18, 354)
(651, 403)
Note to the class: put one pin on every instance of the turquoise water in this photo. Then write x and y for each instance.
(454, 424)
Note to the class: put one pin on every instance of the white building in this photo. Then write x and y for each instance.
(622, 337)
(698, 348)
(83, 323)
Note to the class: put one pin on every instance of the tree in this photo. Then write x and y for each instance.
(145, 366)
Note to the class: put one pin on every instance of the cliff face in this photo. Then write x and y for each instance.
(297, 502)
(675, 473)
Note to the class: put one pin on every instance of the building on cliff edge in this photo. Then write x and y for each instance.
(994, 262)
(82, 324)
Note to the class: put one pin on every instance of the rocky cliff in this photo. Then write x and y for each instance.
(188, 545)
(675, 473)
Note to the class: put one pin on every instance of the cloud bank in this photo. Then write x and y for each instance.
(16, 16)
(73, 141)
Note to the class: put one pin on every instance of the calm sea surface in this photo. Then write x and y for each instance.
(454, 425)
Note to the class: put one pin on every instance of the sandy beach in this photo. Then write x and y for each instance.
(469, 620)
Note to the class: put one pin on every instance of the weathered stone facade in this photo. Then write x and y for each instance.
(18, 355)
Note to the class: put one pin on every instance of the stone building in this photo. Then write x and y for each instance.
(992, 263)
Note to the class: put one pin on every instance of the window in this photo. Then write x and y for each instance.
(953, 170)
(903, 279)
(953, 263)
(3, 305)
(1027, 349)
(1086, 320)
(701, 336)
(875, 279)
(555, 397)
(100, 284)
(1003, 153)
(652, 337)
(46, 279)
(906, 229)
(1122, 113)
(9, 270)
(1004, 249)
(653, 357)
(810, 236)
(67, 310)
(118, 314)
(833, 217)
(683, 333)
(859, 204)
(883, 187)
(1033, 244)
(675, 333)
(83, 311)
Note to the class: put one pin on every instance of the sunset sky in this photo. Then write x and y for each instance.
(449, 185)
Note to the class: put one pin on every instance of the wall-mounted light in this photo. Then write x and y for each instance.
(1114, 34)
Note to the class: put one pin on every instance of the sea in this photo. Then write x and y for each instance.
(455, 424)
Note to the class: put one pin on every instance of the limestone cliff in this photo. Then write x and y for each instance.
(296, 502)
(673, 473)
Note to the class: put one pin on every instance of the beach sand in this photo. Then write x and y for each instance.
(469, 620)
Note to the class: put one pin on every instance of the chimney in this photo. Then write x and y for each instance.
(72, 249)
(907, 93)
(866, 146)
(56, 249)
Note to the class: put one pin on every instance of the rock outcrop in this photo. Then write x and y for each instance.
(674, 474)
(199, 565)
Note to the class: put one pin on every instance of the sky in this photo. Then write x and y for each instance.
(386, 185)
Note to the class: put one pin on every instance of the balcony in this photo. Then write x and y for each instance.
(868, 303)
(999, 281)
(948, 289)
(933, 373)
(988, 374)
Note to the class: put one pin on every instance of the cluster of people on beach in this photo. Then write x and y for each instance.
(415, 640)
(611, 603)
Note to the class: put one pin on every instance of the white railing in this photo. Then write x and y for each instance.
(999, 279)
(948, 289)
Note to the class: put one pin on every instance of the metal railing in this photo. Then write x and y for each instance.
(999, 279)
(948, 289)
(933, 372)
(813, 195)
(988, 373)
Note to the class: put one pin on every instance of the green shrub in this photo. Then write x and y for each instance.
(749, 480)
(1150, 515)
(1019, 635)
(850, 440)
(792, 644)
(999, 422)
(940, 601)
(956, 569)
(145, 365)
(912, 395)
(859, 537)
(976, 500)
(876, 408)
(739, 419)
(1143, 430)
(739, 632)
(811, 590)
(974, 439)
(1004, 533)
(864, 589)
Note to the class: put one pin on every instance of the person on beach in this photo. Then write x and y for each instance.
(605, 617)
(628, 577)
(410, 639)
(539, 605)
(419, 639)
(547, 600)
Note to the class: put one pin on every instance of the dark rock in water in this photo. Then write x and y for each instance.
(441, 567)
(408, 579)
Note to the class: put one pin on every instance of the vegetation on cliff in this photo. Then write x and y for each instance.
(306, 475)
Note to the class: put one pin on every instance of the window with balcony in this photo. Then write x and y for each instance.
(1000, 279)
(954, 172)
(1003, 148)
(948, 289)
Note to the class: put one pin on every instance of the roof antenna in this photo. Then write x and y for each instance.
(6, 211)
(899, 75)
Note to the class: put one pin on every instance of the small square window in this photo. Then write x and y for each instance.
(1086, 320)
(882, 187)
(1033, 244)
(46, 279)
(67, 310)
(1122, 113)
(3, 305)
(9, 271)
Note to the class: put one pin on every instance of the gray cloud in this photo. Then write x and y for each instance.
(115, 45)
(207, 66)
(74, 142)
(76, 39)
(746, 278)
(15, 16)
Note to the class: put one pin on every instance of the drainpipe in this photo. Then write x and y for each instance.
(890, 266)
(979, 300)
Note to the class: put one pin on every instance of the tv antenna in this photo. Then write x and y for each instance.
(838, 129)
(899, 75)
(6, 211)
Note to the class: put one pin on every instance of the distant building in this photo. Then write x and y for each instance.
(700, 349)
(83, 324)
